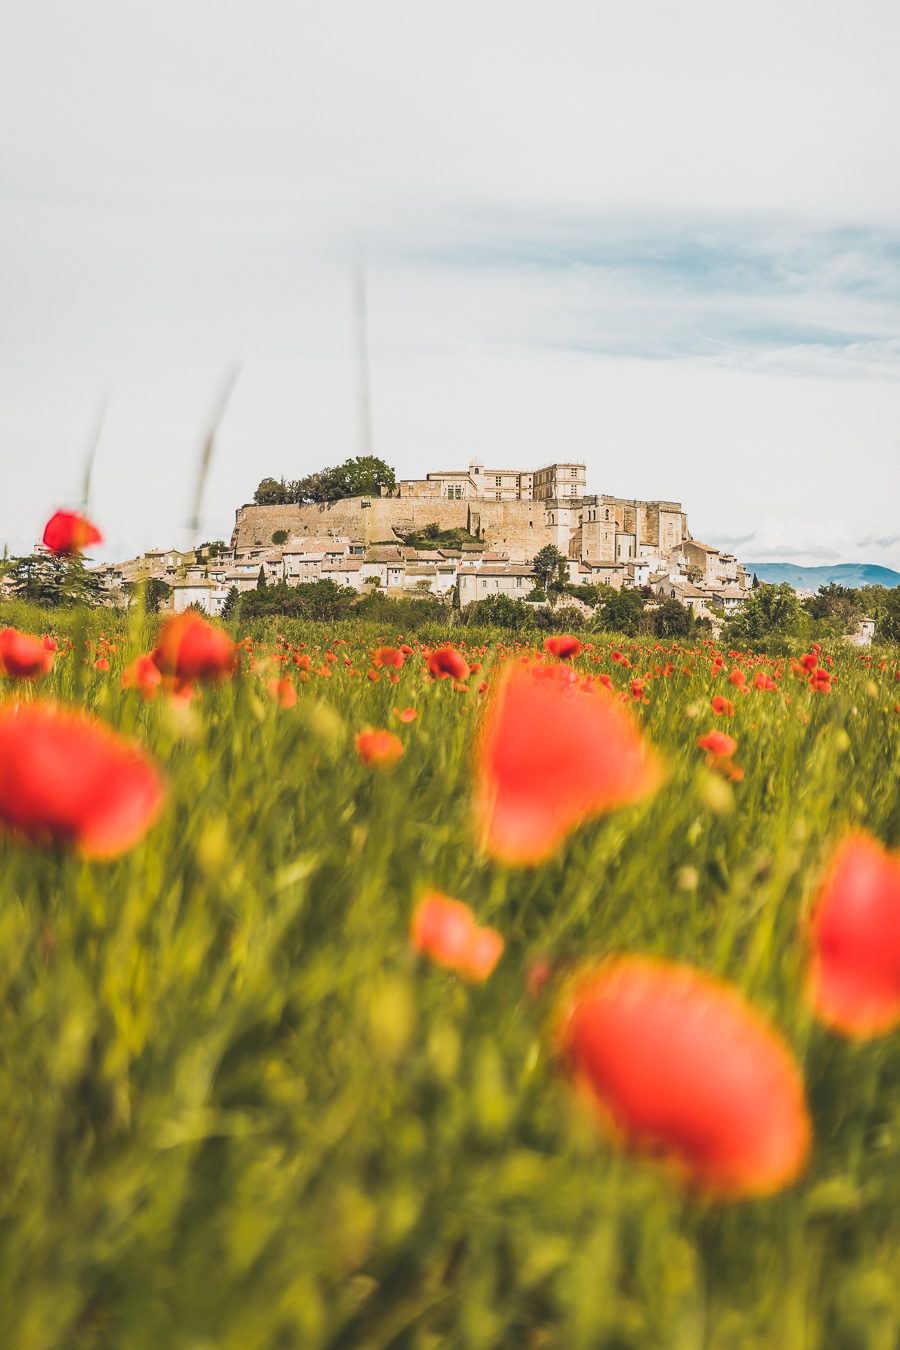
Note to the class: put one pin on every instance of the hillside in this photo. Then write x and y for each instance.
(811, 578)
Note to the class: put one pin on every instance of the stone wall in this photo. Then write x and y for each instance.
(351, 516)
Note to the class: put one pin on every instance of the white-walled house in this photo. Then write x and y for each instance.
(516, 580)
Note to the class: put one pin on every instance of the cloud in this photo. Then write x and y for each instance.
(810, 542)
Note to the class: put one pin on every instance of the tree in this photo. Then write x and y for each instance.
(769, 612)
(211, 548)
(279, 537)
(310, 600)
(271, 492)
(835, 608)
(261, 582)
(499, 611)
(156, 592)
(672, 620)
(53, 582)
(549, 567)
(232, 603)
(622, 611)
(888, 628)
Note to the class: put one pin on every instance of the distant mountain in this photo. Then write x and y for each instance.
(811, 578)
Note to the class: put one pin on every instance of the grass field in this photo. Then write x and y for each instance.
(237, 1110)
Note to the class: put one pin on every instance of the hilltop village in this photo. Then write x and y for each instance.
(497, 521)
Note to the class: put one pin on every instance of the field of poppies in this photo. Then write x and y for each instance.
(363, 989)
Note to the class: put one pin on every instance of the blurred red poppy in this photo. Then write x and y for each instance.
(22, 656)
(143, 674)
(446, 931)
(66, 779)
(717, 743)
(447, 661)
(389, 656)
(722, 707)
(67, 533)
(378, 747)
(854, 973)
(192, 649)
(681, 1066)
(282, 691)
(564, 646)
(553, 752)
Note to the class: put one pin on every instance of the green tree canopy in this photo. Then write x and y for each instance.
(54, 582)
(549, 567)
(673, 619)
(622, 611)
(767, 612)
(362, 476)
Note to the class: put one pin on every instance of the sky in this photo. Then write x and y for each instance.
(661, 239)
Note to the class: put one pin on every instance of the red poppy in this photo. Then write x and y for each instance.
(389, 656)
(722, 707)
(854, 976)
(142, 674)
(681, 1066)
(22, 656)
(378, 747)
(445, 930)
(67, 779)
(68, 533)
(192, 649)
(565, 646)
(283, 692)
(447, 661)
(718, 744)
(553, 752)
(407, 715)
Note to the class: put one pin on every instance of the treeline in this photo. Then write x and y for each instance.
(363, 476)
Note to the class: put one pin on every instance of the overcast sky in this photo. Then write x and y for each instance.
(664, 239)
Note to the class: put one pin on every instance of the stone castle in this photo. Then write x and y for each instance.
(516, 511)
(509, 515)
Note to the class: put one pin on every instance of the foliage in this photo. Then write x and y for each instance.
(837, 609)
(232, 603)
(549, 567)
(672, 619)
(279, 536)
(621, 611)
(236, 1111)
(432, 536)
(154, 590)
(210, 549)
(311, 600)
(499, 611)
(362, 476)
(55, 581)
(769, 613)
(888, 625)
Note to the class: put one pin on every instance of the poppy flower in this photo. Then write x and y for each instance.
(389, 656)
(565, 646)
(553, 751)
(854, 974)
(283, 692)
(407, 715)
(717, 744)
(378, 747)
(67, 779)
(446, 661)
(143, 674)
(681, 1066)
(192, 649)
(22, 656)
(67, 533)
(446, 931)
(722, 707)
